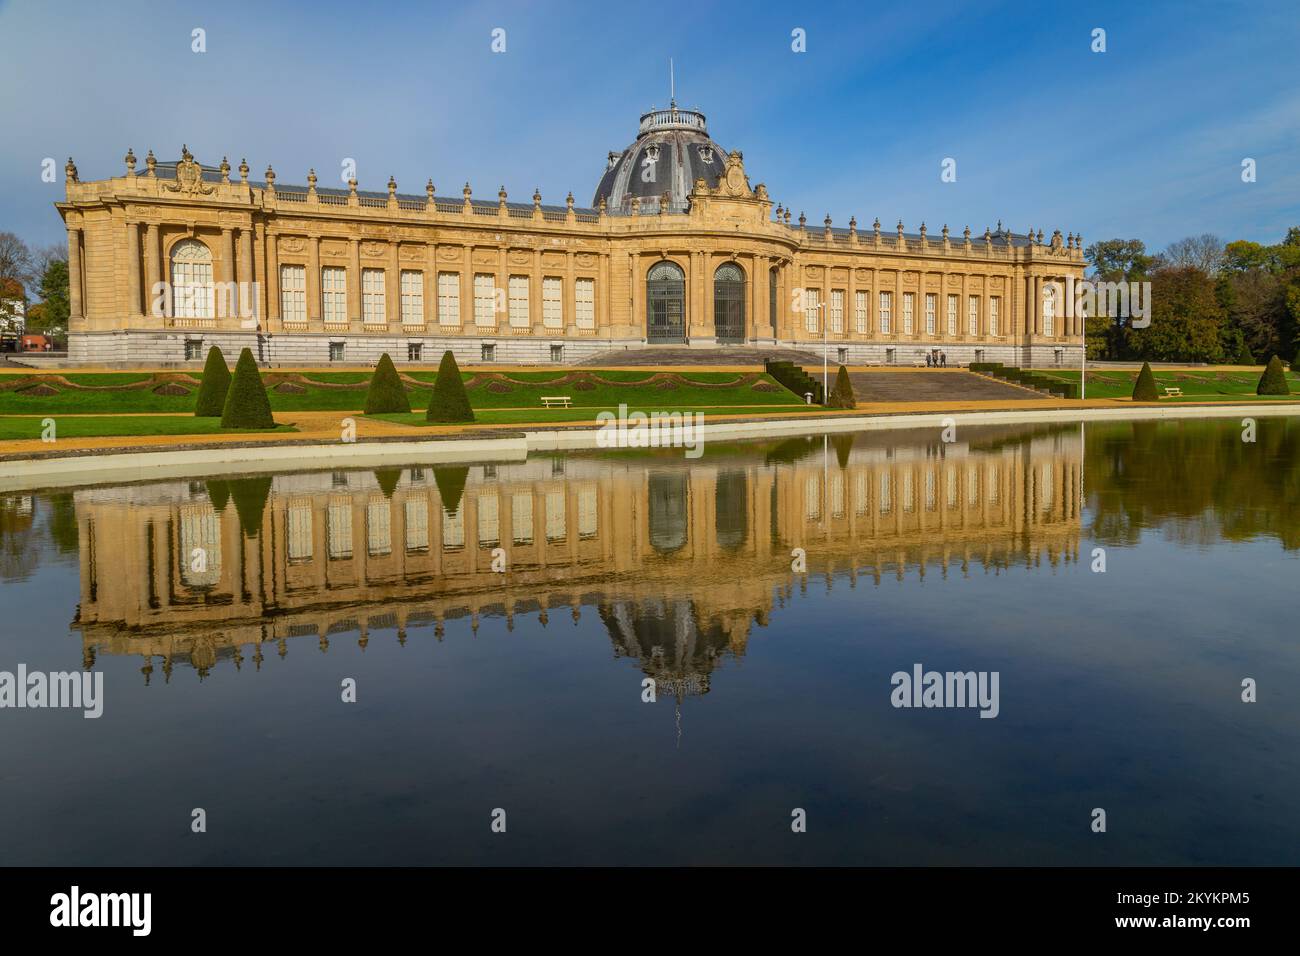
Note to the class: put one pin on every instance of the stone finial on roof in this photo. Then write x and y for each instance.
(151, 164)
(428, 189)
(243, 171)
(130, 161)
(311, 180)
(225, 170)
(392, 187)
(70, 170)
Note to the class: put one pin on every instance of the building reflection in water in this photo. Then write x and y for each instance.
(679, 559)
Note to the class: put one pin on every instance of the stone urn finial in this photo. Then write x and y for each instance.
(151, 164)
(70, 170)
(243, 171)
(537, 199)
(568, 201)
(392, 187)
(311, 180)
(428, 189)
(225, 170)
(130, 161)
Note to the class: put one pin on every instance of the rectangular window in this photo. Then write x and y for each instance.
(557, 353)
(953, 304)
(909, 299)
(417, 524)
(193, 349)
(842, 356)
(379, 526)
(338, 528)
(973, 314)
(552, 303)
(930, 305)
(489, 521)
(485, 301)
(488, 353)
(810, 311)
(1049, 311)
(891, 355)
(334, 295)
(584, 303)
(413, 351)
(336, 351)
(412, 297)
(556, 518)
(293, 293)
(588, 520)
(453, 529)
(300, 530)
(886, 311)
(519, 302)
(860, 313)
(837, 310)
(449, 298)
(993, 314)
(373, 300)
(521, 518)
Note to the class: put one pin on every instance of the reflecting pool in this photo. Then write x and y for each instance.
(504, 624)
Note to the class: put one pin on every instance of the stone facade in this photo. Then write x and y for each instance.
(168, 261)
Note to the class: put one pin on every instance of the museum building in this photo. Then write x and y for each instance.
(677, 249)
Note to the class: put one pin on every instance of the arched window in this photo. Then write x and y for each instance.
(729, 303)
(665, 303)
(192, 293)
(1049, 310)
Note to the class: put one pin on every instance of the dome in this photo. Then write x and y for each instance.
(671, 151)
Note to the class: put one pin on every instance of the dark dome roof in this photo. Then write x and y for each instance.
(671, 151)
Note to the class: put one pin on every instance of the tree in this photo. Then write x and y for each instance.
(1203, 252)
(1144, 389)
(247, 404)
(54, 298)
(386, 394)
(1273, 381)
(842, 393)
(16, 259)
(211, 402)
(1186, 319)
(1119, 260)
(1244, 357)
(449, 402)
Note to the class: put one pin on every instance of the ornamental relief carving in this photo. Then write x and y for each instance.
(585, 259)
(862, 275)
(520, 257)
(552, 260)
(995, 283)
(484, 257)
(373, 250)
(813, 272)
(839, 275)
(412, 253)
(449, 253)
(333, 247)
(292, 244)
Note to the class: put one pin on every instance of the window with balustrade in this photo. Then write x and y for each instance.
(412, 297)
(810, 311)
(449, 298)
(334, 295)
(552, 302)
(909, 299)
(373, 300)
(192, 292)
(518, 302)
(930, 306)
(953, 304)
(584, 303)
(886, 311)
(293, 294)
(860, 312)
(485, 300)
(973, 314)
(837, 311)
(994, 304)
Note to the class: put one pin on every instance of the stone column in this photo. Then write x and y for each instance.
(896, 319)
(353, 280)
(132, 269)
(1038, 305)
(535, 295)
(762, 296)
(570, 295)
(313, 279)
(468, 320)
(152, 261)
(76, 316)
(430, 286)
(244, 295)
(393, 288)
(272, 280)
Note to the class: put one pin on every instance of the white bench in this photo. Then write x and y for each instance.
(1173, 391)
(556, 401)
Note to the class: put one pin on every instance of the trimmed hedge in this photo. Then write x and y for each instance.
(1027, 378)
(1144, 389)
(449, 403)
(795, 379)
(216, 382)
(386, 394)
(1273, 381)
(842, 393)
(247, 404)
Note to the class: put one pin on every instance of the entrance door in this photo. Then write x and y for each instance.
(729, 303)
(665, 293)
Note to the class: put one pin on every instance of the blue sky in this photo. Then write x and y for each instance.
(1145, 140)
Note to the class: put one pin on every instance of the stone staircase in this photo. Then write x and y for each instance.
(680, 355)
(933, 385)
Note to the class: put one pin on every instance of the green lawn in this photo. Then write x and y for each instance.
(1197, 386)
(73, 426)
(597, 389)
(497, 416)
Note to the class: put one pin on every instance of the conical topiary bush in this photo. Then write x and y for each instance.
(247, 404)
(387, 394)
(250, 496)
(1273, 381)
(1144, 389)
(388, 479)
(216, 382)
(451, 486)
(449, 403)
(842, 393)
